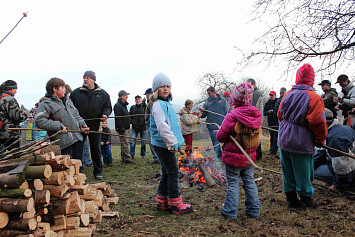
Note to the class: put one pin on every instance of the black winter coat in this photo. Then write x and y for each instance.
(138, 122)
(105, 137)
(121, 123)
(270, 104)
(92, 105)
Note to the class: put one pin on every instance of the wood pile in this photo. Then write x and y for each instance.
(46, 195)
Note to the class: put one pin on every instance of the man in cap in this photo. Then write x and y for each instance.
(10, 114)
(148, 93)
(138, 125)
(347, 103)
(272, 122)
(328, 95)
(122, 125)
(93, 104)
(331, 166)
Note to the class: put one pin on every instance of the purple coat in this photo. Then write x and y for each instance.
(302, 120)
(251, 118)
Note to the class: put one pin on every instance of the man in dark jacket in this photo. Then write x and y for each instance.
(272, 122)
(122, 125)
(217, 104)
(138, 125)
(92, 102)
(329, 94)
(258, 103)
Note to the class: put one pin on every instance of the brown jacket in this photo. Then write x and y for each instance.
(188, 121)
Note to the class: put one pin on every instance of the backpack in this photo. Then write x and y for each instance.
(248, 138)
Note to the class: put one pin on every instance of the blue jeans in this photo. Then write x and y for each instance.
(297, 172)
(230, 207)
(323, 173)
(106, 153)
(154, 154)
(169, 180)
(216, 145)
(142, 135)
(86, 153)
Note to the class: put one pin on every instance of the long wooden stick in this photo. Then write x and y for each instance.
(111, 134)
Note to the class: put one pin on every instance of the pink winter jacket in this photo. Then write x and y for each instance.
(251, 118)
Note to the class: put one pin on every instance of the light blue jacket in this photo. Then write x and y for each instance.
(164, 128)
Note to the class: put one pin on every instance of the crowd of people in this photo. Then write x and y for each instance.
(298, 121)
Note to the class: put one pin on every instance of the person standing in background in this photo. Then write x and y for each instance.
(138, 125)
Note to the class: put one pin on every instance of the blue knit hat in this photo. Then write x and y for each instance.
(160, 80)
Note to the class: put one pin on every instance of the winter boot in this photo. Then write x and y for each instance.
(178, 207)
(162, 203)
(293, 201)
(307, 202)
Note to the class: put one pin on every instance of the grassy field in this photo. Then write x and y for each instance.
(136, 186)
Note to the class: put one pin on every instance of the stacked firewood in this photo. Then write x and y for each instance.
(46, 195)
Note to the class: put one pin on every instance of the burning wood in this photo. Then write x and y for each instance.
(197, 168)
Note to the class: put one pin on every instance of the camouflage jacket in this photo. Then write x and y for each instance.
(10, 116)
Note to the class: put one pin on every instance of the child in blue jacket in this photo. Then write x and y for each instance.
(167, 139)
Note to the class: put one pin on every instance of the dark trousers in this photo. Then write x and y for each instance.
(259, 154)
(73, 150)
(273, 142)
(95, 149)
(169, 180)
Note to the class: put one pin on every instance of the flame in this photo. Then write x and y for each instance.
(189, 165)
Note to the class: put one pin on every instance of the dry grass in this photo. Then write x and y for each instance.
(136, 186)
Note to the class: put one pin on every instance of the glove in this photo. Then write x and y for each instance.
(319, 145)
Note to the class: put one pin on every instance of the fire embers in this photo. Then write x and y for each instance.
(199, 169)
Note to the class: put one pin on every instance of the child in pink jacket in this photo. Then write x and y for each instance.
(237, 165)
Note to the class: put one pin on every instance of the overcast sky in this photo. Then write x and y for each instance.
(126, 43)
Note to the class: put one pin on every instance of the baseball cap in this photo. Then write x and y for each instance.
(272, 93)
(122, 93)
(325, 82)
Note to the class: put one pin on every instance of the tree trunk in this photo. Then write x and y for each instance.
(11, 180)
(15, 193)
(22, 224)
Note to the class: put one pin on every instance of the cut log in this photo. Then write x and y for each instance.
(77, 164)
(90, 206)
(75, 203)
(90, 195)
(93, 214)
(22, 224)
(26, 235)
(72, 222)
(206, 174)
(59, 207)
(38, 218)
(101, 186)
(11, 180)
(59, 223)
(15, 193)
(82, 231)
(57, 178)
(110, 214)
(44, 225)
(79, 178)
(43, 211)
(16, 205)
(36, 184)
(108, 191)
(82, 189)
(71, 171)
(38, 172)
(24, 184)
(42, 197)
(98, 218)
(56, 191)
(41, 233)
(54, 149)
(105, 207)
(85, 219)
(60, 163)
(4, 219)
(99, 198)
(52, 233)
(28, 215)
(112, 200)
(13, 233)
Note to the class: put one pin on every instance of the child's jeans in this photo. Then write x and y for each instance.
(106, 154)
(230, 207)
(169, 180)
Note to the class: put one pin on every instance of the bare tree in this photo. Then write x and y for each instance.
(305, 29)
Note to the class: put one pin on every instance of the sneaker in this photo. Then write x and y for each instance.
(99, 177)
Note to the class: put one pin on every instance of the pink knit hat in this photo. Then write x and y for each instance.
(242, 94)
(305, 75)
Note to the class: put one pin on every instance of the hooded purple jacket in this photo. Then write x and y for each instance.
(251, 118)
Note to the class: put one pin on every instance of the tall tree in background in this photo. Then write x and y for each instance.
(305, 29)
